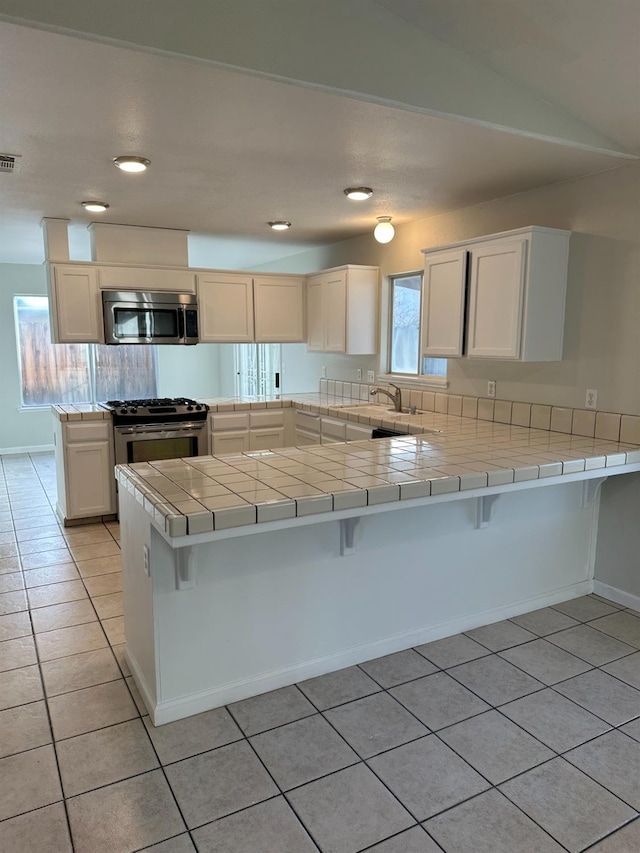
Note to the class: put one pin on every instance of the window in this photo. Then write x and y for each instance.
(76, 373)
(405, 330)
(256, 368)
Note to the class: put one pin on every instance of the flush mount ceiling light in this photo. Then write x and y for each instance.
(384, 230)
(132, 164)
(358, 193)
(95, 206)
(280, 225)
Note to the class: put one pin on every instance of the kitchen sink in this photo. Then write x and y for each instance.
(384, 413)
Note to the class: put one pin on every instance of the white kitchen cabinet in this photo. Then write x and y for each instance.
(444, 291)
(238, 432)
(307, 429)
(84, 464)
(279, 309)
(234, 441)
(74, 304)
(357, 432)
(516, 296)
(225, 307)
(342, 310)
(266, 439)
(147, 279)
(332, 429)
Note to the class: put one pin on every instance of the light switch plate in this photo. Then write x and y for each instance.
(359, 374)
(591, 399)
(491, 388)
(371, 376)
(324, 372)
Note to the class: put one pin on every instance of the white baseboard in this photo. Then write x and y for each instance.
(195, 703)
(619, 596)
(34, 448)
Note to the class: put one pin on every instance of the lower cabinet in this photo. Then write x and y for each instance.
(84, 463)
(307, 429)
(239, 432)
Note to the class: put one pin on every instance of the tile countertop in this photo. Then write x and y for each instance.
(203, 494)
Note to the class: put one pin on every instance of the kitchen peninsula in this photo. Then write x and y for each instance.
(244, 573)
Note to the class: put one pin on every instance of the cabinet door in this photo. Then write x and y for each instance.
(225, 303)
(304, 438)
(315, 313)
(496, 292)
(266, 439)
(230, 442)
(443, 304)
(279, 307)
(357, 433)
(90, 479)
(335, 312)
(75, 307)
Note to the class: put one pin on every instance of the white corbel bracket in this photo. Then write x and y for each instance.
(348, 536)
(484, 510)
(591, 491)
(185, 567)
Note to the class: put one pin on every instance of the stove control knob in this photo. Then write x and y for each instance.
(189, 408)
(123, 410)
(133, 410)
(198, 407)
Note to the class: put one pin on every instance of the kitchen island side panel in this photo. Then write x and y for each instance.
(135, 534)
(275, 608)
(617, 566)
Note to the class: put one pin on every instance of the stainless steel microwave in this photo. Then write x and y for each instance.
(131, 317)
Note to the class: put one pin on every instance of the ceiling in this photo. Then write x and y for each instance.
(234, 147)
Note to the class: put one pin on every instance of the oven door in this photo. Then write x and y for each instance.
(150, 442)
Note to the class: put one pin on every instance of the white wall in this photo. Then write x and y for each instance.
(602, 330)
(18, 428)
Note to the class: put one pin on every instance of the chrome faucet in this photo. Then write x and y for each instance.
(395, 398)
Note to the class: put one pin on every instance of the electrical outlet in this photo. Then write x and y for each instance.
(323, 374)
(591, 400)
(491, 388)
(359, 374)
(371, 376)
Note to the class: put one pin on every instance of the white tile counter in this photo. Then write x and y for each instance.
(187, 497)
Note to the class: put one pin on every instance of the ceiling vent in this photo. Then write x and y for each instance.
(7, 162)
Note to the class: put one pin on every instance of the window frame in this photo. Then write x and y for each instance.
(411, 380)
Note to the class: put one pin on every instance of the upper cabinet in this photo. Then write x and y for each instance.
(342, 310)
(74, 304)
(279, 309)
(498, 297)
(225, 308)
(237, 308)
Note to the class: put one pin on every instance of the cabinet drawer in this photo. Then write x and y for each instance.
(358, 433)
(95, 431)
(123, 278)
(304, 437)
(230, 442)
(334, 428)
(268, 418)
(233, 420)
(266, 439)
(308, 422)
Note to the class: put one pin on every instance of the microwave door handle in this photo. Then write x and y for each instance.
(181, 330)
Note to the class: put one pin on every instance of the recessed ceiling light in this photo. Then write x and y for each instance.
(384, 230)
(95, 206)
(358, 193)
(280, 225)
(132, 164)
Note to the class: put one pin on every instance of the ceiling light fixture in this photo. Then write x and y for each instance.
(358, 193)
(280, 225)
(384, 230)
(132, 164)
(95, 206)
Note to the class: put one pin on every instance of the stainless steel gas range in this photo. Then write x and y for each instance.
(164, 428)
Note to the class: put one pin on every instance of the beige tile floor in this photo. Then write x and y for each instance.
(518, 737)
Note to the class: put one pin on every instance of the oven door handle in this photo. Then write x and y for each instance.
(141, 429)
